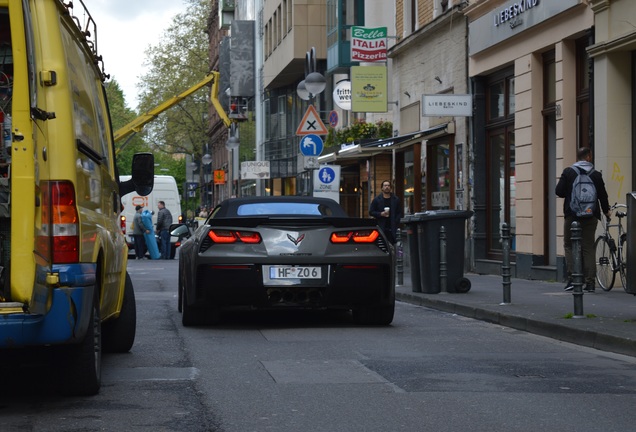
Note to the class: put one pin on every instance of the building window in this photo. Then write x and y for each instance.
(583, 77)
(410, 16)
(500, 160)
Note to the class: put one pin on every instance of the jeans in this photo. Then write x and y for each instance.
(165, 244)
(588, 234)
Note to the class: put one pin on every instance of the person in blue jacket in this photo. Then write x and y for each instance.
(149, 235)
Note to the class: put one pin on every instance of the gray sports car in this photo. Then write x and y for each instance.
(285, 252)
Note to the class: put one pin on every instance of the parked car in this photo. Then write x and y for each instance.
(285, 252)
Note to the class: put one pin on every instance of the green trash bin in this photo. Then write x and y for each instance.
(428, 237)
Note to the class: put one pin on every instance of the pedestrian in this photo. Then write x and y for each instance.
(164, 220)
(588, 222)
(138, 234)
(387, 209)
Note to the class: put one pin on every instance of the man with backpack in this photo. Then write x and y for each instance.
(583, 189)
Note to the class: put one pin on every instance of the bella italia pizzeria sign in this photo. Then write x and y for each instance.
(368, 44)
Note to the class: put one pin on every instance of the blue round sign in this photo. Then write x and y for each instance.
(333, 118)
(311, 145)
(326, 175)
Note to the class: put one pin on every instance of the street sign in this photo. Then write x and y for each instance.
(311, 123)
(310, 162)
(311, 145)
(333, 119)
(327, 182)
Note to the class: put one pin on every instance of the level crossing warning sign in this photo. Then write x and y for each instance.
(311, 123)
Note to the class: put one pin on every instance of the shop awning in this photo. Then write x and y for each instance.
(368, 149)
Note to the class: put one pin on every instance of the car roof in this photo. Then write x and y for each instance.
(231, 207)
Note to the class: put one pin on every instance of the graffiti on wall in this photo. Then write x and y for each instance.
(618, 177)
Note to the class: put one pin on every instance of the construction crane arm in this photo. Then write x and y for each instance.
(138, 124)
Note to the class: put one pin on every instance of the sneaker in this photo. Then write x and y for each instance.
(569, 286)
(589, 287)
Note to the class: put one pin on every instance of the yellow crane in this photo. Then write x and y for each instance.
(138, 124)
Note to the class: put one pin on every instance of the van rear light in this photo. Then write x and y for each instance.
(60, 223)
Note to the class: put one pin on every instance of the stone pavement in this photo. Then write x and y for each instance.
(608, 321)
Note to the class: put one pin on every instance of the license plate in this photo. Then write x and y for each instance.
(294, 272)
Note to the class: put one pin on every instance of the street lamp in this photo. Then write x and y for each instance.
(314, 82)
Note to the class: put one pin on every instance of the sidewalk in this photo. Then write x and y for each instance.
(543, 308)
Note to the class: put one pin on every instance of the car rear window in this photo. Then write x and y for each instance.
(282, 208)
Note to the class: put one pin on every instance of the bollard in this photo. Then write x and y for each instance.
(443, 274)
(505, 263)
(399, 247)
(577, 271)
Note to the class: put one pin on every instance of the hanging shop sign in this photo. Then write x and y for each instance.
(368, 44)
(454, 105)
(253, 170)
(369, 89)
(342, 95)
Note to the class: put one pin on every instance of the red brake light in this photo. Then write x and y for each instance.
(122, 223)
(59, 235)
(228, 236)
(366, 236)
(249, 237)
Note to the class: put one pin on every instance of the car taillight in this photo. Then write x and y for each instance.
(180, 219)
(60, 222)
(363, 236)
(122, 223)
(229, 236)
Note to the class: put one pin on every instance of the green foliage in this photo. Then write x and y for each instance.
(120, 116)
(177, 62)
(358, 130)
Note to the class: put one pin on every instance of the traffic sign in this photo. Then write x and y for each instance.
(333, 119)
(311, 145)
(311, 123)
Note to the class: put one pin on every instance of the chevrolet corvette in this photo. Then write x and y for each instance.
(285, 252)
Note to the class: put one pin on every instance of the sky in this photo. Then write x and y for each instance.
(125, 29)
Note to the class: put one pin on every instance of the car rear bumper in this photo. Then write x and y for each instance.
(342, 286)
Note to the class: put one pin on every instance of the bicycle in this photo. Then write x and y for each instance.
(611, 259)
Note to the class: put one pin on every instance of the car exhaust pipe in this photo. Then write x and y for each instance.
(288, 296)
(274, 296)
(314, 295)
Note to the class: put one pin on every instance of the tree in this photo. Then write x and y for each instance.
(178, 61)
(121, 115)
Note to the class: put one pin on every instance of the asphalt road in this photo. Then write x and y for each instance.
(429, 371)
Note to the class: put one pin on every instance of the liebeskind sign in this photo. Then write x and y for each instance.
(456, 105)
(368, 44)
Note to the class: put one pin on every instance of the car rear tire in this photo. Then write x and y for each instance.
(80, 366)
(191, 315)
(119, 334)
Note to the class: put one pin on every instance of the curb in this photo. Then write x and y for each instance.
(560, 332)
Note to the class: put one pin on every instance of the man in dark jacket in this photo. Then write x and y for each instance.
(387, 209)
(587, 224)
(164, 220)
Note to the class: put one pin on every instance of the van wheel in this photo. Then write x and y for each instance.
(119, 334)
(80, 366)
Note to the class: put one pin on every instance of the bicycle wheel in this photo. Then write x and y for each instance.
(622, 269)
(605, 274)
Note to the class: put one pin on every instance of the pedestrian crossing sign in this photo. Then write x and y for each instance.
(311, 123)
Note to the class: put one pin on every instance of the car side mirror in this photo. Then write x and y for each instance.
(143, 175)
(179, 230)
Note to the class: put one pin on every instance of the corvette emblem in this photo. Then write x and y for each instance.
(296, 240)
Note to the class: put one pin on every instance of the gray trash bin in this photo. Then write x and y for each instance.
(428, 226)
(414, 261)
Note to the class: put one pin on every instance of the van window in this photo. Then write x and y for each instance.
(90, 123)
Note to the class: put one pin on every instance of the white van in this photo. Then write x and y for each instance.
(165, 190)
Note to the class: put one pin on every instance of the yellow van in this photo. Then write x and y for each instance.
(63, 257)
